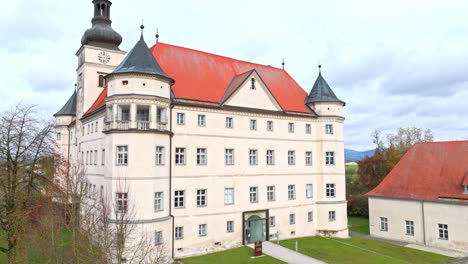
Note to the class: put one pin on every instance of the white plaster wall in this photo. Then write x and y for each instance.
(259, 98)
(90, 70)
(398, 210)
(138, 84)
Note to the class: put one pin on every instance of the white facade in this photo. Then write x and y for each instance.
(179, 163)
(442, 224)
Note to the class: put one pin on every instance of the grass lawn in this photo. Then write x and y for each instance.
(361, 250)
(238, 255)
(359, 224)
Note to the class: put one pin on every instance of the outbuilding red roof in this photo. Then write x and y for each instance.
(428, 171)
(202, 76)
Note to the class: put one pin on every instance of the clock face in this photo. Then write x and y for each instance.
(104, 57)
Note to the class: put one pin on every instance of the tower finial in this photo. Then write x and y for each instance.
(282, 63)
(320, 68)
(157, 35)
(142, 27)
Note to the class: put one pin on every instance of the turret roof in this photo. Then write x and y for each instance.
(321, 92)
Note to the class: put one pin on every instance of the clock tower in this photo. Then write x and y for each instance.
(98, 56)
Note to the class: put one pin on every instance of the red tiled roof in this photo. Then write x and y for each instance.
(205, 77)
(100, 102)
(428, 171)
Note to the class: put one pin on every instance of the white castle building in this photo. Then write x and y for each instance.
(216, 152)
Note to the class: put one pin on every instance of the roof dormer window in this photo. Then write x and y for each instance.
(252, 86)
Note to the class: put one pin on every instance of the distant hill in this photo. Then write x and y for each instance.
(353, 155)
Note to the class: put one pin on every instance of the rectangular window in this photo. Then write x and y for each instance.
(103, 157)
(95, 157)
(58, 136)
(409, 228)
(291, 127)
(443, 231)
(291, 192)
(201, 156)
(330, 190)
(160, 155)
(253, 157)
(384, 224)
(87, 157)
(308, 158)
(309, 191)
(96, 126)
(269, 125)
(201, 198)
(308, 129)
(180, 156)
(330, 158)
(331, 216)
(123, 113)
(271, 221)
(180, 118)
(230, 226)
(201, 120)
(158, 238)
(91, 157)
(229, 156)
(292, 219)
(122, 155)
(291, 157)
(229, 122)
(271, 193)
(270, 157)
(202, 230)
(88, 130)
(328, 129)
(179, 232)
(158, 201)
(253, 124)
(228, 195)
(179, 199)
(466, 189)
(253, 194)
(310, 216)
(122, 202)
(143, 113)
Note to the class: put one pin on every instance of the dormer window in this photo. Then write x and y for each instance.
(465, 189)
(252, 86)
(125, 82)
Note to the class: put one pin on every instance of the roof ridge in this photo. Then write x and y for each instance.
(217, 55)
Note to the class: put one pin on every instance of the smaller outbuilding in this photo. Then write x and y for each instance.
(424, 199)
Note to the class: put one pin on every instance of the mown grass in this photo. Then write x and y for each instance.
(359, 224)
(362, 251)
(240, 255)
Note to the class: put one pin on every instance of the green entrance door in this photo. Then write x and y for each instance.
(255, 229)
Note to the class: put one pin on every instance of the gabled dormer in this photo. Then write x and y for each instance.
(323, 100)
(250, 91)
(139, 73)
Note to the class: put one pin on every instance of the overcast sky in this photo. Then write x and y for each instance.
(395, 63)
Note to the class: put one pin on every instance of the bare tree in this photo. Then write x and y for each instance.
(25, 140)
(123, 236)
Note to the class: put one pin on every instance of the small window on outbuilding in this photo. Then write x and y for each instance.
(465, 189)
(253, 84)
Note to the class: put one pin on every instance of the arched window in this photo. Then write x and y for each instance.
(102, 81)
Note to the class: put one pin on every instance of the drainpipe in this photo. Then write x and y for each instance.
(170, 177)
(423, 222)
